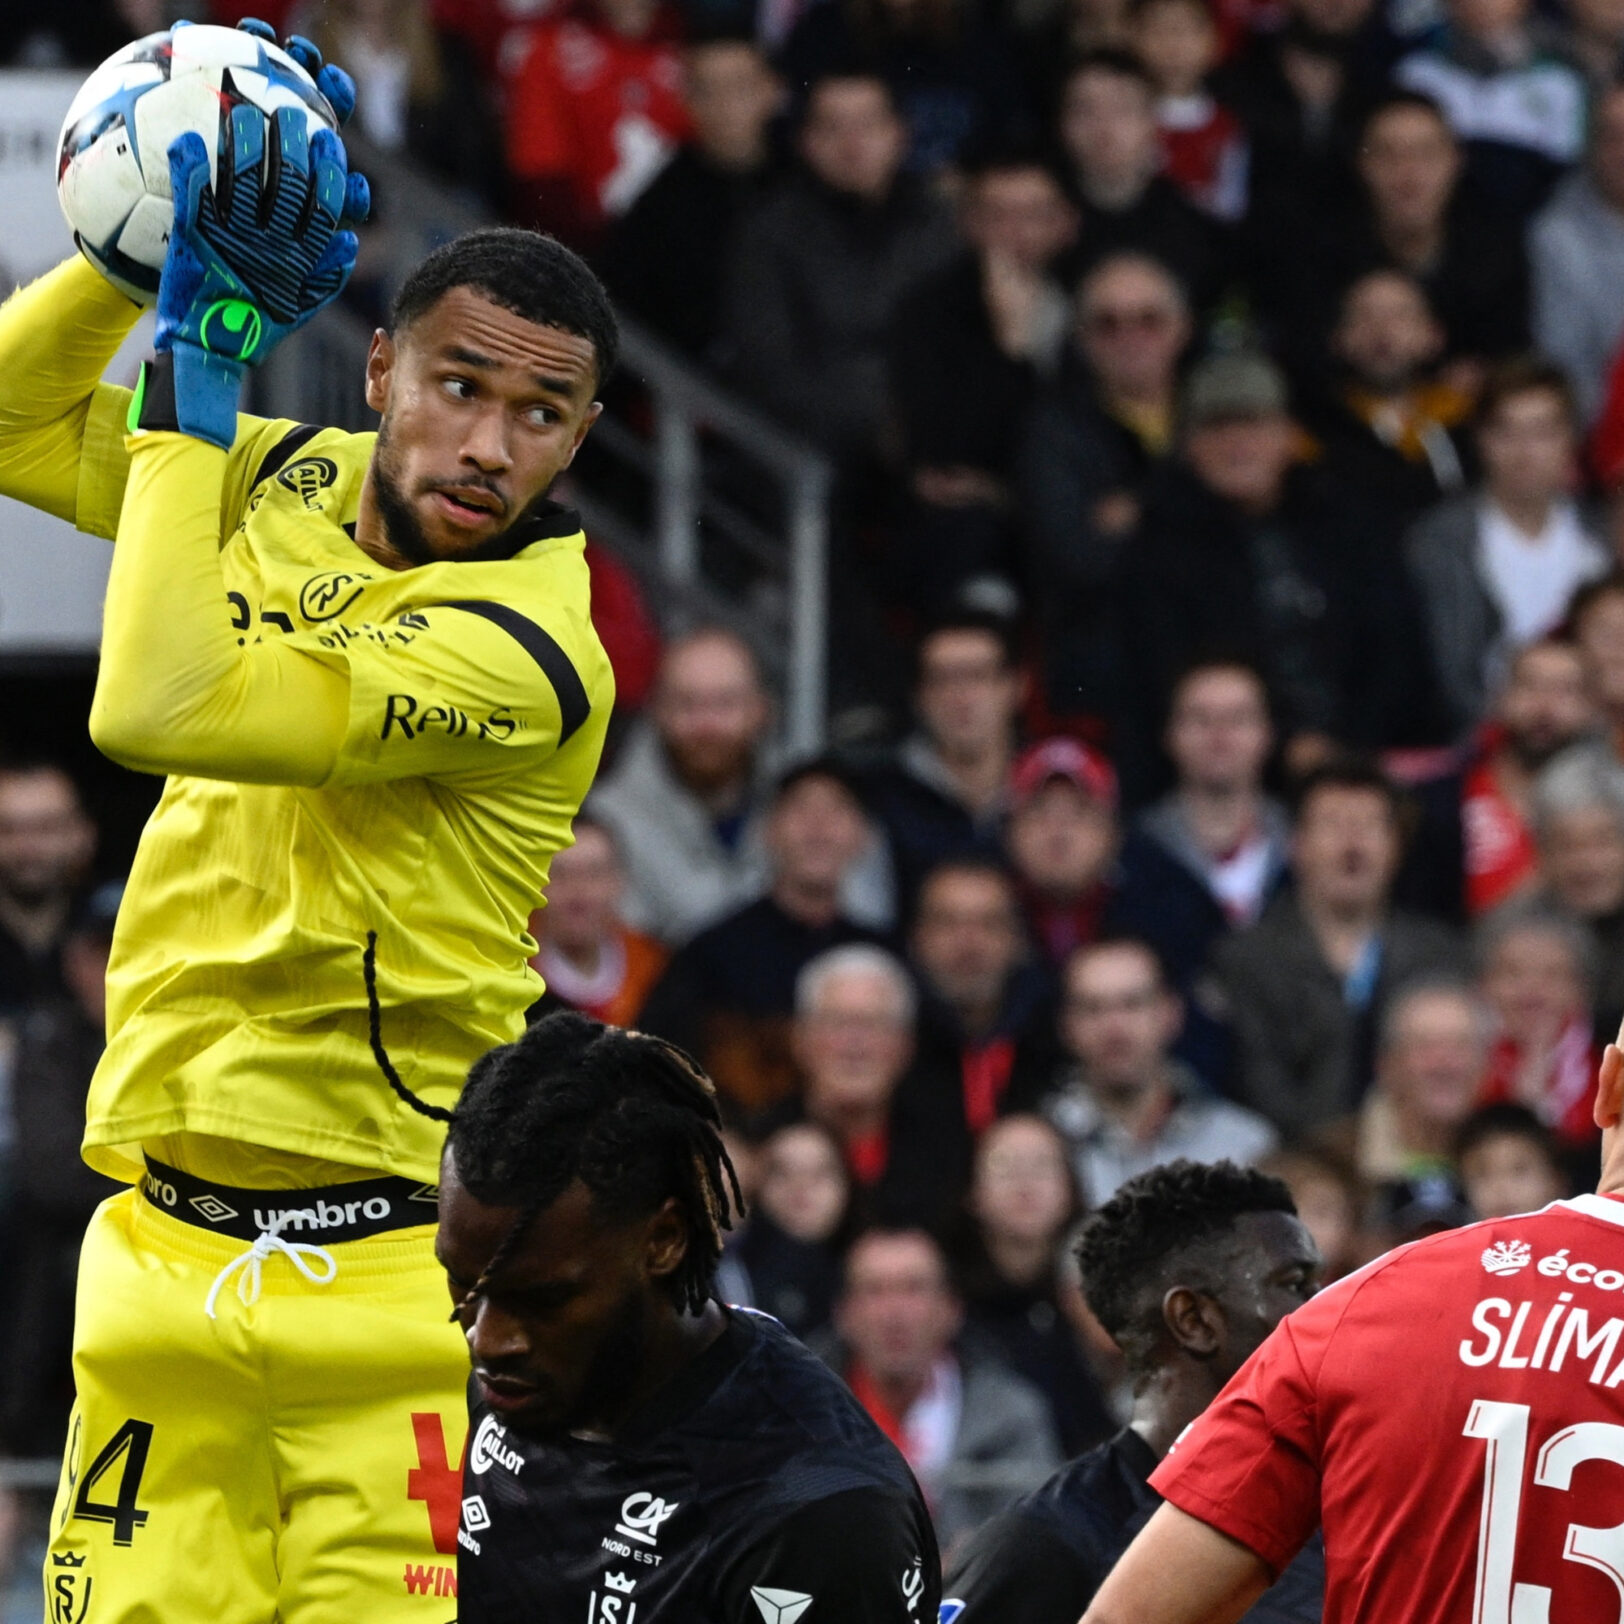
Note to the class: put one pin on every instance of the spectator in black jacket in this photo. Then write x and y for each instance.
(987, 329)
(727, 996)
(818, 273)
(946, 792)
(59, 1044)
(1087, 452)
(1188, 1267)
(1245, 552)
(667, 255)
(1113, 147)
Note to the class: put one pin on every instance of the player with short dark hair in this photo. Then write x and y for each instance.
(1189, 1267)
(368, 668)
(1451, 1415)
(640, 1450)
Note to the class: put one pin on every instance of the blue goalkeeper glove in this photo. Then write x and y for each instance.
(251, 259)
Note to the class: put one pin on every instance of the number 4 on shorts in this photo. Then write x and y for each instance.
(129, 1445)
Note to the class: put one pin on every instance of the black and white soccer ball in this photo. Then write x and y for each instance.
(113, 155)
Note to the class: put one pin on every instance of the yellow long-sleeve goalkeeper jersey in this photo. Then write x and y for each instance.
(471, 699)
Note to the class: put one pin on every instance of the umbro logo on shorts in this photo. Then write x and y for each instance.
(213, 1208)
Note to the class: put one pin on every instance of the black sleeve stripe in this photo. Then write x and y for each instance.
(573, 705)
(283, 452)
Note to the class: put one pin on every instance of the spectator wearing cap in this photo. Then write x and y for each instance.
(587, 955)
(1089, 448)
(1306, 985)
(729, 994)
(1245, 551)
(945, 792)
(1062, 840)
(1124, 1102)
(59, 1043)
(1496, 566)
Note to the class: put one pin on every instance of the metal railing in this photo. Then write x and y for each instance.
(662, 491)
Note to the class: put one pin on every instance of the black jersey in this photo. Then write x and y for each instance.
(1041, 1561)
(751, 1489)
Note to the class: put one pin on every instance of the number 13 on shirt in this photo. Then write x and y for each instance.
(1497, 1597)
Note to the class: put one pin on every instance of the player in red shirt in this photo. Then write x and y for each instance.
(1452, 1415)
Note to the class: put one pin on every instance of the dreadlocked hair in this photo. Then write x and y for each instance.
(629, 1115)
(1162, 1229)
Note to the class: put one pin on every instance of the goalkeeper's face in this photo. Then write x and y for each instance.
(482, 410)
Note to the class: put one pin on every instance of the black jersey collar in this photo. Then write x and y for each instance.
(692, 1386)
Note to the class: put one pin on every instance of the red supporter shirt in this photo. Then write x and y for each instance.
(1452, 1415)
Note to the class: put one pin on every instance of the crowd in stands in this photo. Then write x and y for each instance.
(1227, 404)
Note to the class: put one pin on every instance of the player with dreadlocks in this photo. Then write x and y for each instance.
(1189, 1267)
(639, 1450)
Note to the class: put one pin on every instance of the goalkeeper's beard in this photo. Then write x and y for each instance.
(401, 526)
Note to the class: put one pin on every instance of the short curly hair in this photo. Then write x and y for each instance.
(1165, 1228)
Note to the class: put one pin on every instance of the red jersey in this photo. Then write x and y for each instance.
(1452, 1415)
(1500, 854)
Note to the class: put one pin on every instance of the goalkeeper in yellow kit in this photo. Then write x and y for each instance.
(367, 666)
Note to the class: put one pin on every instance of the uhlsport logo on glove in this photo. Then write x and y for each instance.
(230, 327)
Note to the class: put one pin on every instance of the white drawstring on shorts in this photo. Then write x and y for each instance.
(251, 1261)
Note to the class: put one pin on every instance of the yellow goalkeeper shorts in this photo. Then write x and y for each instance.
(296, 1458)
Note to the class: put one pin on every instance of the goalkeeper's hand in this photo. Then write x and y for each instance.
(251, 259)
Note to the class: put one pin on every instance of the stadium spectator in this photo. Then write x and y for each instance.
(1508, 1161)
(989, 328)
(1415, 216)
(1306, 986)
(1576, 249)
(1208, 856)
(787, 1259)
(1125, 1103)
(1504, 79)
(819, 271)
(728, 995)
(685, 797)
(1596, 618)
(1495, 568)
(1086, 454)
(986, 1017)
(1432, 1048)
(1536, 972)
(59, 1042)
(1388, 425)
(952, 73)
(46, 845)
(854, 1041)
(953, 1414)
(1188, 1267)
(1204, 147)
(1331, 1200)
(666, 256)
(1475, 848)
(1023, 1204)
(1578, 819)
(593, 111)
(1062, 841)
(419, 89)
(946, 792)
(1246, 551)
(1595, 41)
(1299, 91)
(1111, 143)
(587, 956)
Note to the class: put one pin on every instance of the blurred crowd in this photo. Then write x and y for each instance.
(1227, 404)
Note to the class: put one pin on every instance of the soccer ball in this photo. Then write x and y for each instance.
(112, 160)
